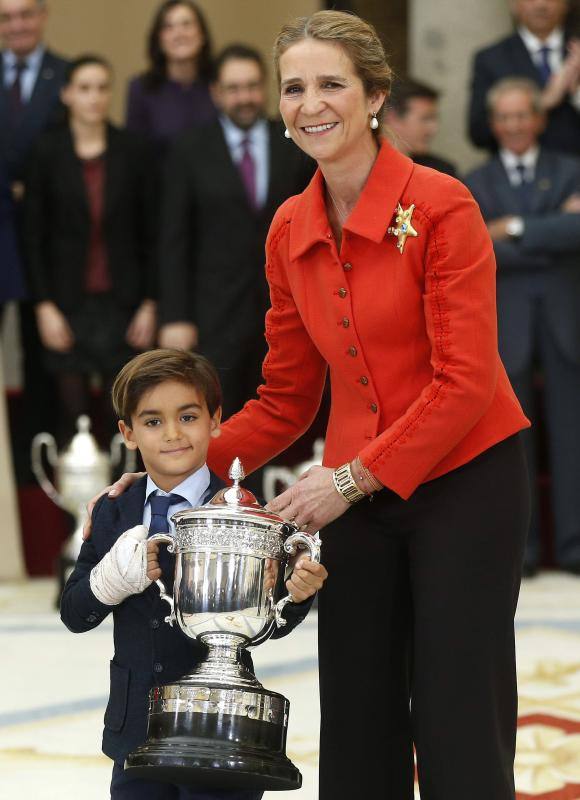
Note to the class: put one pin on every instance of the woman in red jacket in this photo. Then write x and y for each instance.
(383, 272)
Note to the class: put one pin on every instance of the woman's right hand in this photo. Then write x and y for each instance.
(126, 480)
(55, 332)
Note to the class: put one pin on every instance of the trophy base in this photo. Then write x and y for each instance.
(216, 737)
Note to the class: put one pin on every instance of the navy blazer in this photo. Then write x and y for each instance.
(544, 265)
(11, 276)
(43, 109)
(148, 652)
(510, 58)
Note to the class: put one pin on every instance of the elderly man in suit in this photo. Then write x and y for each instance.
(530, 198)
(541, 51)
(224, 181)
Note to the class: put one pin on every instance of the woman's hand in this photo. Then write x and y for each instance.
(126, 480)
(141, 331)
(312, 502)
(55, 332)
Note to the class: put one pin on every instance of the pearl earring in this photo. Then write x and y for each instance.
(287, 134)
(374, 121)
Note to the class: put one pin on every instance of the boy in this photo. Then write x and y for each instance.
(169, 407)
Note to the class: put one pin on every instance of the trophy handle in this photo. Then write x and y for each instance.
(165, 538)
(291, 545)
(274, 474)
(38, 467)
(117, 447)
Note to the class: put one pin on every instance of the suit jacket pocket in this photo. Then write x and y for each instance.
(117, 706)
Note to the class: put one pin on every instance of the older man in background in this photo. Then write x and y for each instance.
(413, 116)
(541, 51)
(530, 199)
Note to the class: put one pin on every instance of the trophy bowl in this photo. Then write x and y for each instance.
(217, 726)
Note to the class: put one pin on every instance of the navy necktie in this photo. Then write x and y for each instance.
(15, 90)
(524, 188)
(543, 65)
(160, 505)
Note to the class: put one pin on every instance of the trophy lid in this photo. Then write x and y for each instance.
(83, 451)
(232, 503)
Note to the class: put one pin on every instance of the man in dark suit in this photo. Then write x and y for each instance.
(530, 198)
(540, 51)
(223, 184)
(11, 278)
(31, 77)
(413, 116)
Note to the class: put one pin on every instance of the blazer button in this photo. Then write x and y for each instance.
(345, 322)
(347, 267)
(352, 351)
(342, 293)
(364, 380)
(157, 667)
(91, 618)
(374, 408)
(154, 624)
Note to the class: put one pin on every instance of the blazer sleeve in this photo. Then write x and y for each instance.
(481, 81)
(459, 305)
(37, 224)
(294, 374)
(174, 239)
(552, 233)
(294, 614)
(79, 608)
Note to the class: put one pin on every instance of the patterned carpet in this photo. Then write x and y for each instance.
(55, 687)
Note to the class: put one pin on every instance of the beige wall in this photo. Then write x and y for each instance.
(117, 29)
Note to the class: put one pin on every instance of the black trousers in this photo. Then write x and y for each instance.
(126, 787)
(420, 651)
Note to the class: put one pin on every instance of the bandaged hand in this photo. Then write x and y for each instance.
(123, 570)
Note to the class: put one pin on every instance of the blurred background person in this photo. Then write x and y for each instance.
(31, 76)
(90, 222)
(223, 183)
(413, 116)
(541, 51)
(11, 277)
(173, 94)
(530, 198)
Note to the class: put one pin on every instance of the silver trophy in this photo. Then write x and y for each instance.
(80, 471)
(218, 726)
(277, 478)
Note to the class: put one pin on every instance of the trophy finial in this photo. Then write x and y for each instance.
(83, 423)
(237, 472)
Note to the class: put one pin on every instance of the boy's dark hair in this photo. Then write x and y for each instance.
(149, 369)
(239, 52)
(406, 90)
(85, 60)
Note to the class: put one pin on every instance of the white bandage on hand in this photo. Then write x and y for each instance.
(123, 570)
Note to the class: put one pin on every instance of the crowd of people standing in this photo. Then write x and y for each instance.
(114, 239)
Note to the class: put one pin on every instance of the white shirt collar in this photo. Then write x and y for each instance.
(33, 59)
(235, 136)
(529, 159)
(192, 488)
(555, 40)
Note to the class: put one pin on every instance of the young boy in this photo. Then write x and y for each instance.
(169, 406)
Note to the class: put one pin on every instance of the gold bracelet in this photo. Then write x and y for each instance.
(345, 484)
(367, 476)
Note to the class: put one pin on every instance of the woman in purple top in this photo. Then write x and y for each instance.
(173, 94)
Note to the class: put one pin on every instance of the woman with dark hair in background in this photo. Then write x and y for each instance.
(173, 94)
(89, 216)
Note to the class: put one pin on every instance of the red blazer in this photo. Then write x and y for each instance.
(410, 339)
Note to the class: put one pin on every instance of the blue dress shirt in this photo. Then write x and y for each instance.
(29, 74)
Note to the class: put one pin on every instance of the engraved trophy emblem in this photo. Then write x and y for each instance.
(80, 472)
(217, 726)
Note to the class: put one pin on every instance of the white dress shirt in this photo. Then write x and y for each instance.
(510, 161)
(192, 489)
(29, 75)
(259, 141)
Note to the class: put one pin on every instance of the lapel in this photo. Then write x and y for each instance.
(217, 154)
(114, 161)
(72, 173)
(521, 60)
(506, 198)
(42, 93)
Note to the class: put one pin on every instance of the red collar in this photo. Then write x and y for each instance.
(372, 214)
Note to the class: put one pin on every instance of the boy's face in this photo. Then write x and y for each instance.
(171, 427)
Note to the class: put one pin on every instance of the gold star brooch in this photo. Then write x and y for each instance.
(403, 227)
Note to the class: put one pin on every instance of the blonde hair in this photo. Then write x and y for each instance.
(515, 84)
(358, 38)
